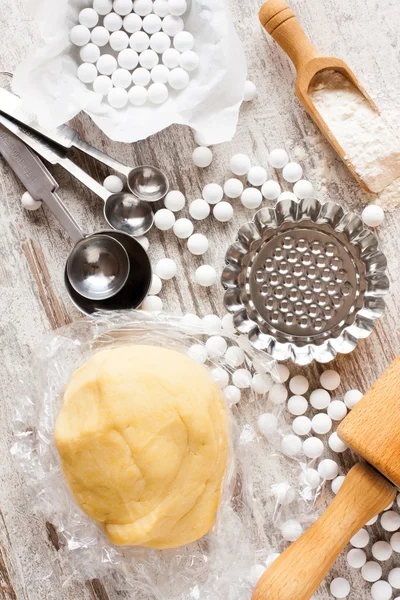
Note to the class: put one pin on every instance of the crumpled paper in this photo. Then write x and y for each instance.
(49, 88)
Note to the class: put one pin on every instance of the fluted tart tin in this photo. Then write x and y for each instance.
(305, 281)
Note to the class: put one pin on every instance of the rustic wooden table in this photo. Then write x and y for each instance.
(33, 250)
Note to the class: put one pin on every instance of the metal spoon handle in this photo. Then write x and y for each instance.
(101, 157)
(53, 154)
(84, 178)
(37, 180)
(54, 203)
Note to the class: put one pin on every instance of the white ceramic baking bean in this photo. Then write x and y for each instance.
(198, 244)
(250, 91)
(336, 444)
(128, 59)
(199, 209)
(233, 188)
(232, 395)
(381, 551)
(172, 25)
(292, 172)
(257, 176)
(360, 539)
(291, 445)
(189, 60)
(320, 399)
(330, 380)
(278, 158)
(337, 484)
(152, 304)
(142, 7)
(271, 190)
(261, 383)
(141, 76)
(202, 157)
(223, 212)
(112, 22)
(102, 7)
(198, 353)
(138, 95)
(178, 78)
(373, 215)
(89, 53)
(79, 35)
(174, 201)
(119, 40)
(118, 97)
(321, 423)
(240, 164)
(132, 23)
(212, 323)
(351, 398)
(161, 8)
(144, 242)
(291, 530)
(100, 36)
(88, 17)
(87, 73)
(183, 228)
(278, 394)
(164, 219)
(29, 203)
(299, 384)
(301, 425)
(113, 184)
(356, 558)
(166, 268)
(139, 41)
(267, 424)
(121, 78)
(156, 285)
(170, 57)
(216, 346)
(106, 64)
(313, 447)
(177, 7)
(340, 587)
(159, 74)
(371, 571)
(152, 24)
(206, 276)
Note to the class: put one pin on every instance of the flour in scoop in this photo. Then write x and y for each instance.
(368, 141)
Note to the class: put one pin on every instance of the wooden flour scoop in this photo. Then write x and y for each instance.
(279, 20)
(372, 429)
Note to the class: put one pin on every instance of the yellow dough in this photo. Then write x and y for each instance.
(143, 445)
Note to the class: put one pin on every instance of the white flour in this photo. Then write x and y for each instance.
(369, 142)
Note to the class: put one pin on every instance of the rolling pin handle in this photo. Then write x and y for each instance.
(297, 573)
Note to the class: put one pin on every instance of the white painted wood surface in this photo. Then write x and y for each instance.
(33, 250)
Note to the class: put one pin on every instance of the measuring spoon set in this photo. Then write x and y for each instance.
(105, 270)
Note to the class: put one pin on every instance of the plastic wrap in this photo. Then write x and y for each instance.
(50, 89)
(221, 564)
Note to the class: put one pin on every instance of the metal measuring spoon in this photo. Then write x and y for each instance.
(122, 211)
(98, 266)
(146, 182)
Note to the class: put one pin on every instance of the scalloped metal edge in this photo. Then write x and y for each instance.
(359, 236)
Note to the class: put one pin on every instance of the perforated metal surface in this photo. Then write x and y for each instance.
(305, 281)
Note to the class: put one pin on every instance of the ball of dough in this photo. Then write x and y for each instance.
(143, 444)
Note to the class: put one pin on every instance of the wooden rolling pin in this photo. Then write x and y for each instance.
(279, 20)
(372, 429)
